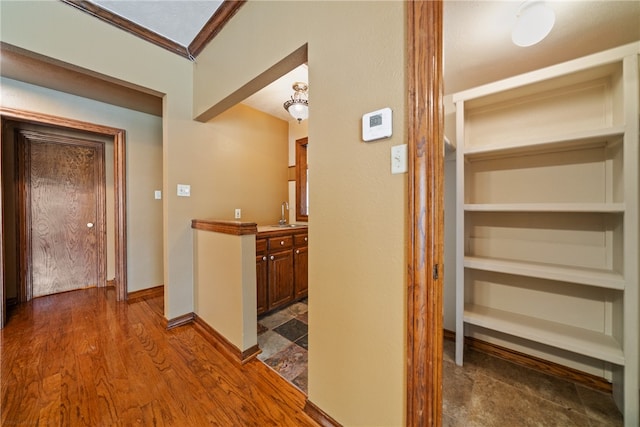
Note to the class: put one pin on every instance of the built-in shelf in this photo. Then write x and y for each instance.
(578, 340)
(582, 139)
(582, 276)
(546, 207)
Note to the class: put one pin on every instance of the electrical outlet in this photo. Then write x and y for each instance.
(238, 213)
(184, 190)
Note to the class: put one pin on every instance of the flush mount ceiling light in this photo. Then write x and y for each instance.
(298, 105)
(534, 22)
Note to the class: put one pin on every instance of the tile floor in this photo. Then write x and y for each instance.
(486, 392)
(489, 391)
(282, 336)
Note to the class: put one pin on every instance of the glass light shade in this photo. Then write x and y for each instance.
(298, 105)
(534, 23)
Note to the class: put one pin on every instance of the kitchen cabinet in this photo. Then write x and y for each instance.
(547, 216)
(281, 268)
(261, 276)
(301, 265)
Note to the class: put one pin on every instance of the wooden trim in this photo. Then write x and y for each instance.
(225, 346)
(218, 20)
(533, 362)
(129, 26)
(145, 294)
(119, 147)
(301, 178)
(236, 228)
(185, 319)
(425, 213)
(319, 416)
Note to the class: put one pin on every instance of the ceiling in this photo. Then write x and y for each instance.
(477, 40)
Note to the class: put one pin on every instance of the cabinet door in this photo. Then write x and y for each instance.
(280, 278)
(301, 271)
(261, 283)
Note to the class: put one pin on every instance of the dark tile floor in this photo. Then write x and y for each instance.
(283, 338)
(489, 391)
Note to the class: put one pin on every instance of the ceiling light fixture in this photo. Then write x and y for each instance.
(298, 105)
(534, 22)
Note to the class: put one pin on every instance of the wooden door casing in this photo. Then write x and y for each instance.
(62, 214)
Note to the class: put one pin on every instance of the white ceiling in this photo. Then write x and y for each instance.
(477, 39)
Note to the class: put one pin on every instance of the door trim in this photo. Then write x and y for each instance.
(425, 213)
(119, 147)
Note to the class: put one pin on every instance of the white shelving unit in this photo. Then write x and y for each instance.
(547, 218)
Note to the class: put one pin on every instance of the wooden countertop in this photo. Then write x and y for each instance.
(240, 228)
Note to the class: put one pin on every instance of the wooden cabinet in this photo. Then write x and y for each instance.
(261, 276)
(281, 268)
(301, 265)
(547, 216)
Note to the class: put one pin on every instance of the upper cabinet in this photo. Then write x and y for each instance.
(547, 215)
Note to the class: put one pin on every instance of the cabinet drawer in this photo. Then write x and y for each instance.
(261, 246)
(284, 242)
(300, 239)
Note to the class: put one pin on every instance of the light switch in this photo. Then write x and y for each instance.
(184, 190)
(399, 163)
(157, 194)
(238, 214)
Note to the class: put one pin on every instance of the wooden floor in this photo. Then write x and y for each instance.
(80, 358)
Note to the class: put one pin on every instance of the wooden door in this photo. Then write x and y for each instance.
(301, 271)
(280, 278)
(62, 215)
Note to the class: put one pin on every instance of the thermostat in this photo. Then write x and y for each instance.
(377, 125)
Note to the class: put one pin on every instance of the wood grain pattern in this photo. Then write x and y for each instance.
(120, 191)
(81, 358)
(425, 213)
(235, 228)
(64, 184)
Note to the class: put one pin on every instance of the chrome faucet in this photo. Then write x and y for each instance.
(285, 205)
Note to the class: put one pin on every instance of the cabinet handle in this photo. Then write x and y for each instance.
(272, 257)
(306, 239)
(264, 258)
(281, 242)
(297, 251)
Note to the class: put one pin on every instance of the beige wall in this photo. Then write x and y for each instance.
(144, 160)
(357, 233)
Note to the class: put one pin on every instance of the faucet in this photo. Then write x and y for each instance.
(285, 205)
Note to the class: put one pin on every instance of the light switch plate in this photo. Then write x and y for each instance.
(157, 194)
(184, 190)
(399, 163)
(238, 214)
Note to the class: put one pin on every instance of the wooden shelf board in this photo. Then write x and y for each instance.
(578, 340)
(582, 276)
(595, 137)
(546, 207)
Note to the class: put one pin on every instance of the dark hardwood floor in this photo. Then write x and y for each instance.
(80, 358)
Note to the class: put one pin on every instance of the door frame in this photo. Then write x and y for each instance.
(119, 177)
(23, 149)
(425, 215)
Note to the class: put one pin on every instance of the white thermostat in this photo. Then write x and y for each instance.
(377, 125)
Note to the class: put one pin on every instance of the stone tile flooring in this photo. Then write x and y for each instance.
(489, 391)
(485, 392)
(283, 338)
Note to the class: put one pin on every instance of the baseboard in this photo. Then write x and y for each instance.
(144, 294)
(111, 283)
(533, 362)
(224, 345)
(319, 416)
(180, 320)
(11, 301)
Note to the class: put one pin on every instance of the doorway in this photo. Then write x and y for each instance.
(8, 254)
